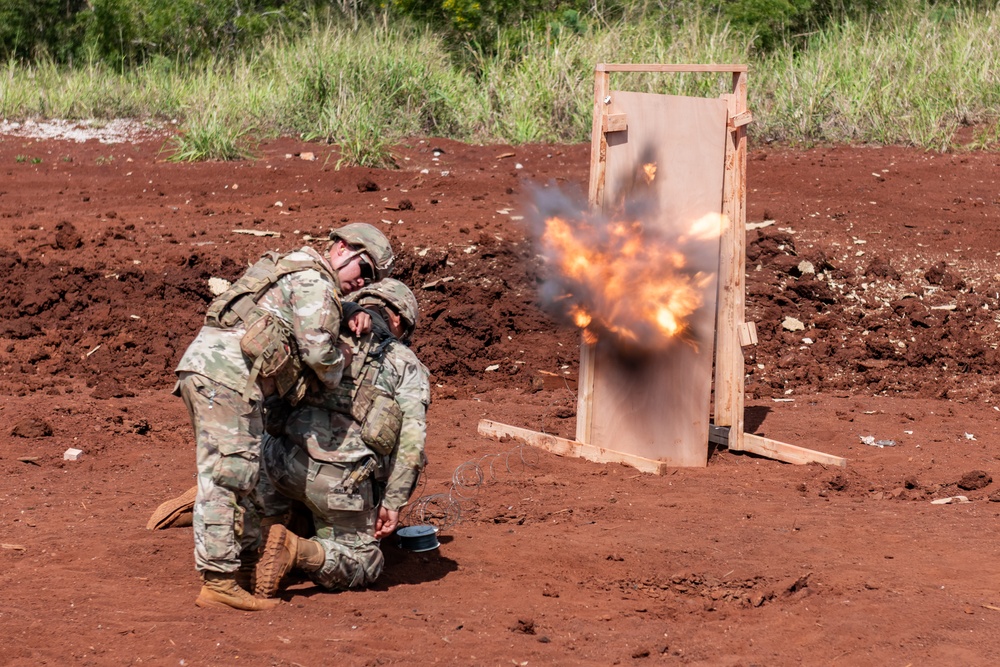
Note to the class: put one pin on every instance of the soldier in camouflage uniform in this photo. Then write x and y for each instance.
(352, 455)
(273, 332)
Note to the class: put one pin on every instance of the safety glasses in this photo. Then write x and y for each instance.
(367, 270)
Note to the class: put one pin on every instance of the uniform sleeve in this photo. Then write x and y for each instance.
(315, 320)
(413, 396)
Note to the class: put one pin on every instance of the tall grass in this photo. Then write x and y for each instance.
(909, 77)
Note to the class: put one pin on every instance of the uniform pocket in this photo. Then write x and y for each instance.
(334, 489)
(236, 472)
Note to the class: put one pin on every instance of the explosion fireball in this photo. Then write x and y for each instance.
(628, 278)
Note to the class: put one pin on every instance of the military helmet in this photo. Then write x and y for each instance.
(374, 242)
(393, 292)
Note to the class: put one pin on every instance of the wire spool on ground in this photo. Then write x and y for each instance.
(418, 538)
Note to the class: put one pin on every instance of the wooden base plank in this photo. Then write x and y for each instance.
(563, 447)
(782, 451)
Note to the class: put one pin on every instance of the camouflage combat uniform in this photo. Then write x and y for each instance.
(323, 446)
(224, 404)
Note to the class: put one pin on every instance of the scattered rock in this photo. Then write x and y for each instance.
(405, 205)
(838, 482)
(879, 267)
(524, 627)
(940, 275)
(367, 185)
(110, 388)
(792, 324)
(32, 427)
(951, 500)
(796, 585)
(565, 412)
(67, 238)
(975, 479)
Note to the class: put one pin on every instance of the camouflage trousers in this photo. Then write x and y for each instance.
(344, 519)
(227, 436)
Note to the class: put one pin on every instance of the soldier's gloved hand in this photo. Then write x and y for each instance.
(360, 323)
(386, 523)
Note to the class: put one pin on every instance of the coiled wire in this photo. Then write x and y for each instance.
(444, 510)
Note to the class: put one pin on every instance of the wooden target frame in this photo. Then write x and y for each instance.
(654, 415)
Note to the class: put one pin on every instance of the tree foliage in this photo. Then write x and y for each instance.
(127, 33)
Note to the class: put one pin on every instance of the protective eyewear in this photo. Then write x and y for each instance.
(367, 270)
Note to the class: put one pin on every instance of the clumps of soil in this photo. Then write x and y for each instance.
(940, 275)
(110, 388)
(524, 627)
(367, 185)
(866, 325)
(879, 267)
(67, 238)
(33, 427)
(975, 480)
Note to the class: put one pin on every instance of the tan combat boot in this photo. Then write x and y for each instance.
(221, 590)
(283, 551)
(174, 513)
(247, 574)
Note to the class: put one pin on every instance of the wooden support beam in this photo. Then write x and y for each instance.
(615, 122)
(629, 67)
(773, 449)
(729, 370)
(782, 451)
(740, 119)
(747, 333)
(563, 447)
(598, 165)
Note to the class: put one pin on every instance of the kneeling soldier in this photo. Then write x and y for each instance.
(274, 331)
(352, 455)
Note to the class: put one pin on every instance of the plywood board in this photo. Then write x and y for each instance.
(657, 406)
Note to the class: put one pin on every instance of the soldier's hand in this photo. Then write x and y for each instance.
(360, 323)
(347, 352)
(386, 523)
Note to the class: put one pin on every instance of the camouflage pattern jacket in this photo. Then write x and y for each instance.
(308, 300)
(323, 429)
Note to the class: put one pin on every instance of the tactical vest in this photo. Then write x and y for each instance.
(269, 342)
(371, 407)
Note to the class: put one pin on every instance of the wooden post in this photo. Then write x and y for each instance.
(598, 161)
(729, 370)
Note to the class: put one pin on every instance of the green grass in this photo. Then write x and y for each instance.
(906, 78)
(206, 137)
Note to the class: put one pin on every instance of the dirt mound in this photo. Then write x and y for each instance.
(871, 275)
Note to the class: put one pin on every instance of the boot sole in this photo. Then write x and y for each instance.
(269, 575)
(170, 512)
(216, 604)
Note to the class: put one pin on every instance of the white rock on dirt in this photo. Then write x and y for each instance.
(792, 324)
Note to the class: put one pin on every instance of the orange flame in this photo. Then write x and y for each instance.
(649, 171)
(626, 282)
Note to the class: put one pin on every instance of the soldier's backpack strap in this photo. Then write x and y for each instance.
(239, 302)
(269, 342)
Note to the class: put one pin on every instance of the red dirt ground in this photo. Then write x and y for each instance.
(104, 262)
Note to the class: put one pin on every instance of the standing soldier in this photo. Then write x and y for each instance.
(352, 455)
(268, 337)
